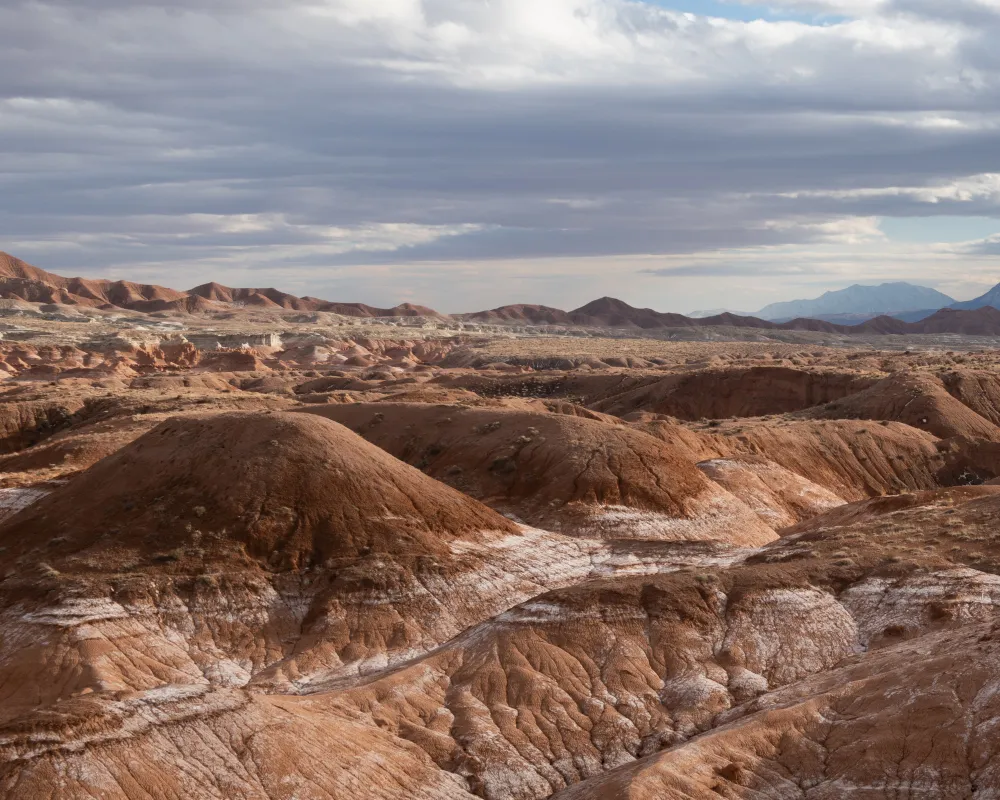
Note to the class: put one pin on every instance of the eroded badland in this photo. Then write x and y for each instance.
(267, 553)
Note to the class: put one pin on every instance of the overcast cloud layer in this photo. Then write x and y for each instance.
(468, 153)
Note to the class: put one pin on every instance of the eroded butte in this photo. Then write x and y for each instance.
(256, 552)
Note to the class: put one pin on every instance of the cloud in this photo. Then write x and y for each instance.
(395, 141)
(723, 271)
(985, 187)
(990, 246)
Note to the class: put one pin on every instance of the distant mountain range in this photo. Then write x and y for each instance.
(886, 299)
(21, 281)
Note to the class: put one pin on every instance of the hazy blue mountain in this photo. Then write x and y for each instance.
(887, 298)
(991, 298)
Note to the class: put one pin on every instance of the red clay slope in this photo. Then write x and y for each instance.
(296, 484)
(21, 281)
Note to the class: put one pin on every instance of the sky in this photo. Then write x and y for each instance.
(464, 154)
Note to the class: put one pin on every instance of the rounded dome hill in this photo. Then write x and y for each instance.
(292, 489)
(558, 472)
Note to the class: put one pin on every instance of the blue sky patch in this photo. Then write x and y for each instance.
(729, 9)
(944, 229)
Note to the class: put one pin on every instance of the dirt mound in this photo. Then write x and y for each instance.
(611, 313)
(520, 315)
(883, 325)
(122, 294)
(916, 399)
(261, 298)
(213, 291)
(716, 394)
(977, 389)
(556, 471)
(12, 267)
(362, 310)
(983, 321)
(728, 319)
(413, 310)
(268, 548)
(199, 381)
(293, 489)
(187, 305)
(853, 460)
(273, 548)
(243, 360)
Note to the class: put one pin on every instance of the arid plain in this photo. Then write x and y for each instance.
(289, 553)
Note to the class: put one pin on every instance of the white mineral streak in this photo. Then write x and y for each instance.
(13, 501)
(712, 516)
(917, 602)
